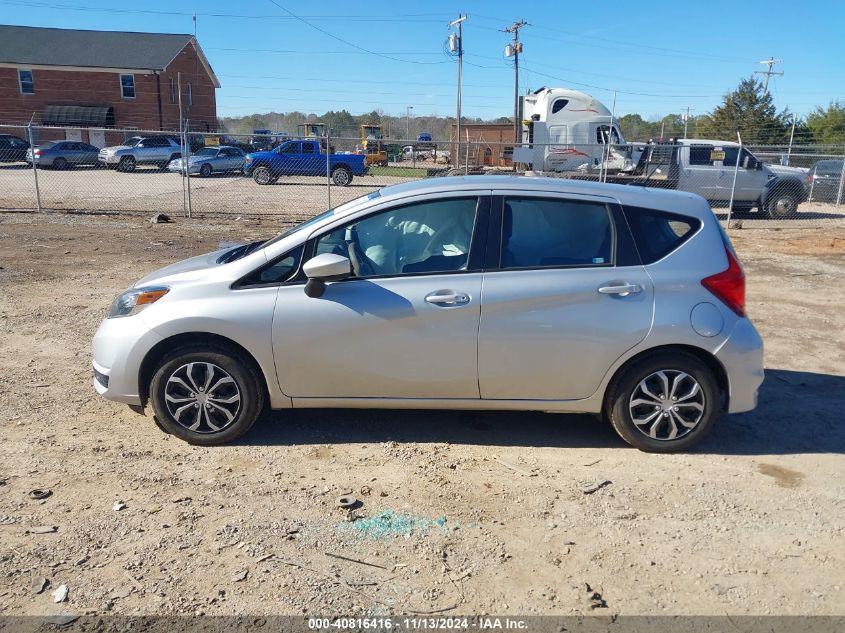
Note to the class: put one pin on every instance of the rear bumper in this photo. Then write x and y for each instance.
(742, 357)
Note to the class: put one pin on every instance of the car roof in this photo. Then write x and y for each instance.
(706, 141)
(660, 199)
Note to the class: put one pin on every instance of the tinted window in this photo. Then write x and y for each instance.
(829, 167)
(544, 232)
(700, 155)
(428, 237)
(308, 148)
(559, 105)
(658, 233)
(290, 148)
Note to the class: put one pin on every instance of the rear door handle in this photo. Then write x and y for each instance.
(447, 298)
(622, 290)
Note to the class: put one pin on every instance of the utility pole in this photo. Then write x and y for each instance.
(769, 72)
(408, 122)
(686, 120)
(514, 49)
(456, 46)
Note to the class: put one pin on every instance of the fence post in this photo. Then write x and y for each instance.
(34, 168)
(841, 182)
(328, 168)
(736, 172)
(186, 157)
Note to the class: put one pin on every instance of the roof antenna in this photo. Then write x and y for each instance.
(195, 25)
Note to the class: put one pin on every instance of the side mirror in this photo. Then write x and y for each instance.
(323, 268)
(758, 165)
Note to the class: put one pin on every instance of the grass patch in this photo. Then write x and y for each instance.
(404, 172)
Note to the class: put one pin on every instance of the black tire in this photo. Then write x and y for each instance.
(263, 176)
(620, 401)
(228, 363)
(60, 163)
(127, 164)
(781, 204)
(342, 176)
(206, 170)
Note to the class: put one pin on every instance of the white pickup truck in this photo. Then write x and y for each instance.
(708, 168)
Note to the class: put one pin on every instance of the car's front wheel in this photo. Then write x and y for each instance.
(664, 403)
(206, 395)
(263, 176)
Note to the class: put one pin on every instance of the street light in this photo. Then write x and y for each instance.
(408, 127)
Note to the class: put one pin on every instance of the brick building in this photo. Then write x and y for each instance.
(490, 144)
(104, 79)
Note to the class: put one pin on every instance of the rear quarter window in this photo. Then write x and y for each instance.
(658, 233)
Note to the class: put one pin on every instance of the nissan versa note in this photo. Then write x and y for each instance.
(486, 292)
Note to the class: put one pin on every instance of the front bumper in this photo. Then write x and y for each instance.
(119, 348)
(109, 159)
(179, 169)
(742, 357)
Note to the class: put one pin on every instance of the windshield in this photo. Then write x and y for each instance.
(207, 151)
(318, 218)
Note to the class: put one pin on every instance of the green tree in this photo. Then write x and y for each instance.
(827, 126)
(748, 109)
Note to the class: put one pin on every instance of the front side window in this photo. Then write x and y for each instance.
(547, 232)
(127, 86)
(27, 82)
(427, 237)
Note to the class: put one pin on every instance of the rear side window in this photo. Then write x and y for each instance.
(658, 233)
(546, 233)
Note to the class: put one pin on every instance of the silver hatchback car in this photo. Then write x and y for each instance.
(494, 293)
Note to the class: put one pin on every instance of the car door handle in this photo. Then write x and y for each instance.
(622, 290)
(447, 298)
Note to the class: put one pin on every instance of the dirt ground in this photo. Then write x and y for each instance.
(462, 513)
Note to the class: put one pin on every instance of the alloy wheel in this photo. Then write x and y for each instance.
(202, 397)
(667, 405)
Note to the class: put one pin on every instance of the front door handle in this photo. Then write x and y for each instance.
(623, 290)
(447, 298)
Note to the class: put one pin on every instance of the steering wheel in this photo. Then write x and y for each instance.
(361, 264)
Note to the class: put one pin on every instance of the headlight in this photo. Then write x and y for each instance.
(248, 159)
(134, 300)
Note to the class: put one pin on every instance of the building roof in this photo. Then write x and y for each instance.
(35, 46)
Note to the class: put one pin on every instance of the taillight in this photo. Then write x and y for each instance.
(37, 152)
(729, 285)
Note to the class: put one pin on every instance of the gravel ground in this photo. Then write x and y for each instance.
(462, 513)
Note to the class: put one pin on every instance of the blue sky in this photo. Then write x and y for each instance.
(661, 57)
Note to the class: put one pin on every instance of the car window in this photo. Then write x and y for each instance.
(427, 237)
(290, 148)
(658, 233)
(547, 232)
(308, 148)
(278, 271)
(700, 155)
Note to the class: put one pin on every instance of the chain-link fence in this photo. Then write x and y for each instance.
(148, 171)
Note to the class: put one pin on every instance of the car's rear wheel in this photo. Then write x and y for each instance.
(126, 164)
(206, 395)
(341, 176)
(664, 403)
(263, 176)
(205, 170)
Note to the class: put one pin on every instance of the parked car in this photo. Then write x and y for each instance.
(409, 152)
(210, 160)
(621, 301)
(304, 158)
(141, 150)
(823, 180)
(12, 149)
(63, 154)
